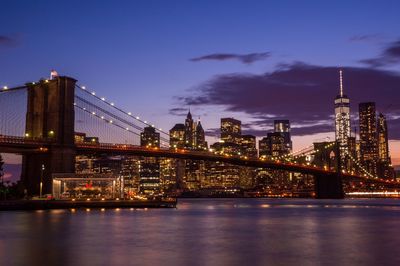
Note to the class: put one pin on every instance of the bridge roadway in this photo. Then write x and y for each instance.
(20, 145)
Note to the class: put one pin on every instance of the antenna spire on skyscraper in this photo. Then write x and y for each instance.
(341, 82)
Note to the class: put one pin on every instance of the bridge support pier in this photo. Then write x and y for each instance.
(50, 116)
(328, 186)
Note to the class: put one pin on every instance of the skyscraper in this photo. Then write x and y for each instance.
(383, 144)
(368, 137)
(283, 126)
(342, 122)
(385, 169)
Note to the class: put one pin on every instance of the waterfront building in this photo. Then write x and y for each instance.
(368, 138)
(342, 123)
(149, 175)
(149, 166)
(130, 174)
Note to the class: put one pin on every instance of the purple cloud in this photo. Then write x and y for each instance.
(302, 93)
(178, 111)
(244, 58)
(389, 56)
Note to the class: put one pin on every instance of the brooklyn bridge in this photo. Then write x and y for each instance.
(39, 121)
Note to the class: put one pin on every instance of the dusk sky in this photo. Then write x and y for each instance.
(253, 60)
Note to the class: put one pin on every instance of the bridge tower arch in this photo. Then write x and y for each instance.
(50, 116)
(330, 186)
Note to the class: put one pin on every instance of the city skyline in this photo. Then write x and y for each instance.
(214, 132)
(234, 79)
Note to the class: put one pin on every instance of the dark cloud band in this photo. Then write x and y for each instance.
(244, 58)
(302, 93)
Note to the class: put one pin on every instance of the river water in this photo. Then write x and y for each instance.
(209, 232)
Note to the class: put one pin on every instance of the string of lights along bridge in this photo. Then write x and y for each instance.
(76, 125)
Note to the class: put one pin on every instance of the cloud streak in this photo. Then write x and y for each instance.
(365, 38)
(243, 58)
(7, 41)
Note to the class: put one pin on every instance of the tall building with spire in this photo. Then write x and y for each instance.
(200, 138)
(189, 131)
(342, 122)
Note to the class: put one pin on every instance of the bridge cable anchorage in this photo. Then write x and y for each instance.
(120, 110)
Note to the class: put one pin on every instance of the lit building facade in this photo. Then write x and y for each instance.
(383, 143)
(385, 168)
(177, 136)
(149, 166)
(368, 138)
(273, 145)
(149, 137)
(248, 146)
(342, 123)
(231, 130)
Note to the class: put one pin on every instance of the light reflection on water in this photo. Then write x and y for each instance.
(208, 232)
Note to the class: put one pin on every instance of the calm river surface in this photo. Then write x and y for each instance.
(209, 232)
